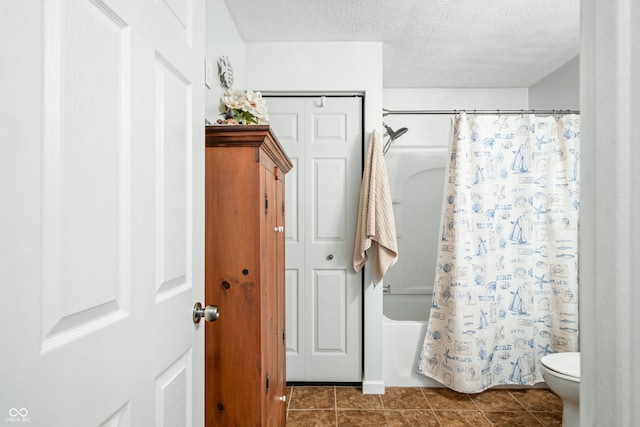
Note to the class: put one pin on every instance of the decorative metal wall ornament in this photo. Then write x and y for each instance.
(225, 70)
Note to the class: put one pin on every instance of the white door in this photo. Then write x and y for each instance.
(323, 138)
(102, 235)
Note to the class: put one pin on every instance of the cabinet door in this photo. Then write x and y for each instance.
(234, 281)
(280, 289)
(270, 328)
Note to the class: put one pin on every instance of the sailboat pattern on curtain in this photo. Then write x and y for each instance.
(506, 285)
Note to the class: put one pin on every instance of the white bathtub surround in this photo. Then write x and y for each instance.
(402, 347)
(405, 323)
(376, 229)
(413, 307)
(506, 289)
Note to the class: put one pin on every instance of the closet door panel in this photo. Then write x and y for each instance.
(321, 209)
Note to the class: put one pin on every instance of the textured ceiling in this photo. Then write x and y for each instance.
(430, 43)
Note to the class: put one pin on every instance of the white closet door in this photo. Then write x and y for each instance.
(103, 243)
(324, 294)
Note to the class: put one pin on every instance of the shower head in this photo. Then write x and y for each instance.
(393, 135)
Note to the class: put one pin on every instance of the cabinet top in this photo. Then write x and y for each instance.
(248, 136)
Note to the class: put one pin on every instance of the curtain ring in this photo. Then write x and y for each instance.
(498, 110)
(522, 114)
(475, 113)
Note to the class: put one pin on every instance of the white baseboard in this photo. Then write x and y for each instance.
(372, 387)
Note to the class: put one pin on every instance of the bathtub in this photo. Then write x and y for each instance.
(403, 340)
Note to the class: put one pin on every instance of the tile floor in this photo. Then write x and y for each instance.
(415, 406)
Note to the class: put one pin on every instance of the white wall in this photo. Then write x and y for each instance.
(558, 90)
(319, 66)
(222, 38)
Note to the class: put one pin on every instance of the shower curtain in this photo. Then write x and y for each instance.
(506, 285)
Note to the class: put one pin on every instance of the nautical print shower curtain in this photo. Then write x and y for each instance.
(506, 285)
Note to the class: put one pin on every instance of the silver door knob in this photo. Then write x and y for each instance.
(282, 398)
(210, 313)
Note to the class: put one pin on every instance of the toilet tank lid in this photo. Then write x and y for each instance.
(565, 363)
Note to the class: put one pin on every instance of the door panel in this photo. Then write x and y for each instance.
(329, 181)
(172, 149)
(324, 295)
(115, 228)
(329, 312)
(82, 199)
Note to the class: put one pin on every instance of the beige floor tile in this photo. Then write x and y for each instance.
(462, 419)
(404, 398)
(538, 399)
(361, 417)
(310, 397)
(411, 418)
(352, 398)
(496, 400)
(443, 398)
(512, 419)
(549, 419)
(311, 418)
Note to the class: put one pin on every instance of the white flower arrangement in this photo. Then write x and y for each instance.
(243, 108)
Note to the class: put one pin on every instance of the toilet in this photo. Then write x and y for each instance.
(561, 372)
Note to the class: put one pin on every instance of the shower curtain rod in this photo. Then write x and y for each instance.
(386, 112)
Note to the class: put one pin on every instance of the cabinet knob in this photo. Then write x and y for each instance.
(330, 257)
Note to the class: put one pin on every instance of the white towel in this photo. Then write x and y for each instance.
(376, 226)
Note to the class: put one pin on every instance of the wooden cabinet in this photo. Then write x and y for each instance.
(244, 276)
